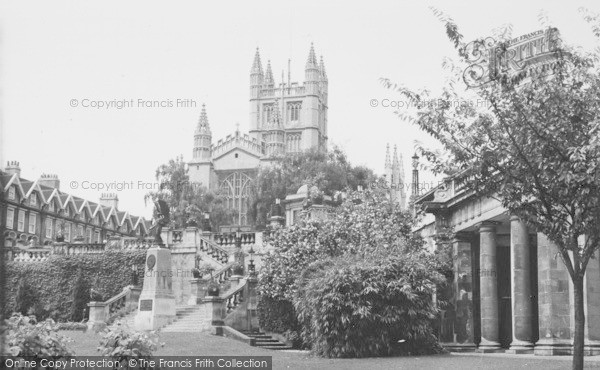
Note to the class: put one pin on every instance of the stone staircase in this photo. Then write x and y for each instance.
(265, 341)
(189, 319)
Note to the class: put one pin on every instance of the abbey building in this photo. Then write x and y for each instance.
(285, 117)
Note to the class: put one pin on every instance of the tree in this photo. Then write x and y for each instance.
(328, 171)
(535, 146)
(188, 202)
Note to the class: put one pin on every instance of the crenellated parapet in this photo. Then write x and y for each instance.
(238, 140)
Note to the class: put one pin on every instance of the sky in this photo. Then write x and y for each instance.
(59, 58)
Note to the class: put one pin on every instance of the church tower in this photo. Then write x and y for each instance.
(302, 107)
(200, 168)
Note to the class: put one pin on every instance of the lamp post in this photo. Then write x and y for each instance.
(251, 267)
(206, 222)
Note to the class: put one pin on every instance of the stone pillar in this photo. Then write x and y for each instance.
(252, 300)
(463, 297)
(488, 286)
(216, 307)
(591, 286)
(522, 304)
(553, 301)
(98, 315)
(156, 306)
(198, 291)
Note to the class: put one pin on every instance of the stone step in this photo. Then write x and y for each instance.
(276, 347)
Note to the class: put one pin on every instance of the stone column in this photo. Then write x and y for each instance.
(553, 301)
(488, 286)
(463, 296)
(522, 304)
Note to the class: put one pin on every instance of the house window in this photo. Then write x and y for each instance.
(67, 232)
(33, 200)
(21, 221)
(10, 218)
(49, 228)
(11, 193)
(67, 212)
(51, 206)
(98, 237)
(32, 223)
(88, 235)
(79, 230)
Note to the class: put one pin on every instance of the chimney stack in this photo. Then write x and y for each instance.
(109, 200)
(49, 180)
(12, 167)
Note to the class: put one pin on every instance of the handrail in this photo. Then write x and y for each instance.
(103, 313)
(235, 297)
(217, 252)
(222, 275)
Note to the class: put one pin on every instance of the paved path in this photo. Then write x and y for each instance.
(202, 344)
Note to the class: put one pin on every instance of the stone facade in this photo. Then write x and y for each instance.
(511, 291)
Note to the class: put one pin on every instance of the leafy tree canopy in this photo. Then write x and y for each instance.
(188, 202)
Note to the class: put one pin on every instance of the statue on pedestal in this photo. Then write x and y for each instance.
(160, 219)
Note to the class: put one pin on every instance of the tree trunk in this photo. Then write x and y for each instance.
(579, 337)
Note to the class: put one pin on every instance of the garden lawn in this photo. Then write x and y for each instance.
(204, 344)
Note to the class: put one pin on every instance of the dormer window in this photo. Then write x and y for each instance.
(67, 212)
(32, 200)
(51, 206)
(11, 193)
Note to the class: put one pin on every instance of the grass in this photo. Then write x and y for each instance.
(204, 344)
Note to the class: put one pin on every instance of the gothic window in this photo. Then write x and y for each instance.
(294, 111)
(236, 190)
(267, 113)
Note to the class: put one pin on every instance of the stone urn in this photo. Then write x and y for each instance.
(213, 289)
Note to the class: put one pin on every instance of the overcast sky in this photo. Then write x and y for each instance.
(54, 52)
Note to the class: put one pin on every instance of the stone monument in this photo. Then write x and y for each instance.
(156, 307)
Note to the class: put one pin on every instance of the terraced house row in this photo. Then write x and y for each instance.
(36, 213)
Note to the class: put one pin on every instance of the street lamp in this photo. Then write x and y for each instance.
(251, 267)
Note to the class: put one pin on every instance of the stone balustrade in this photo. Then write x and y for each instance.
(103, 313)
(37, 255)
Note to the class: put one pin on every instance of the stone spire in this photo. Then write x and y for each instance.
(322, 69)
(269, 80)
(203, 126)
(388, 162)
(256, 65)
(276, 115)
(202, 138)
(311, 62)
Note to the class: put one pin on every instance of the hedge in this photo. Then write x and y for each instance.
(59, 287)
(279, 316)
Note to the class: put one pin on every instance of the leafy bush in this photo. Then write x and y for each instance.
(24, 298)
(279, 316)
(375, 305)
(121, 344)
(27, 337)
(81, 296)
(53, 281)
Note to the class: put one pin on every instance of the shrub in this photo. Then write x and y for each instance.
(53, 281)
(377, 305)
(27, 337)
(121, 343)
(24, 298)
(81, 296)
(279, 316)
